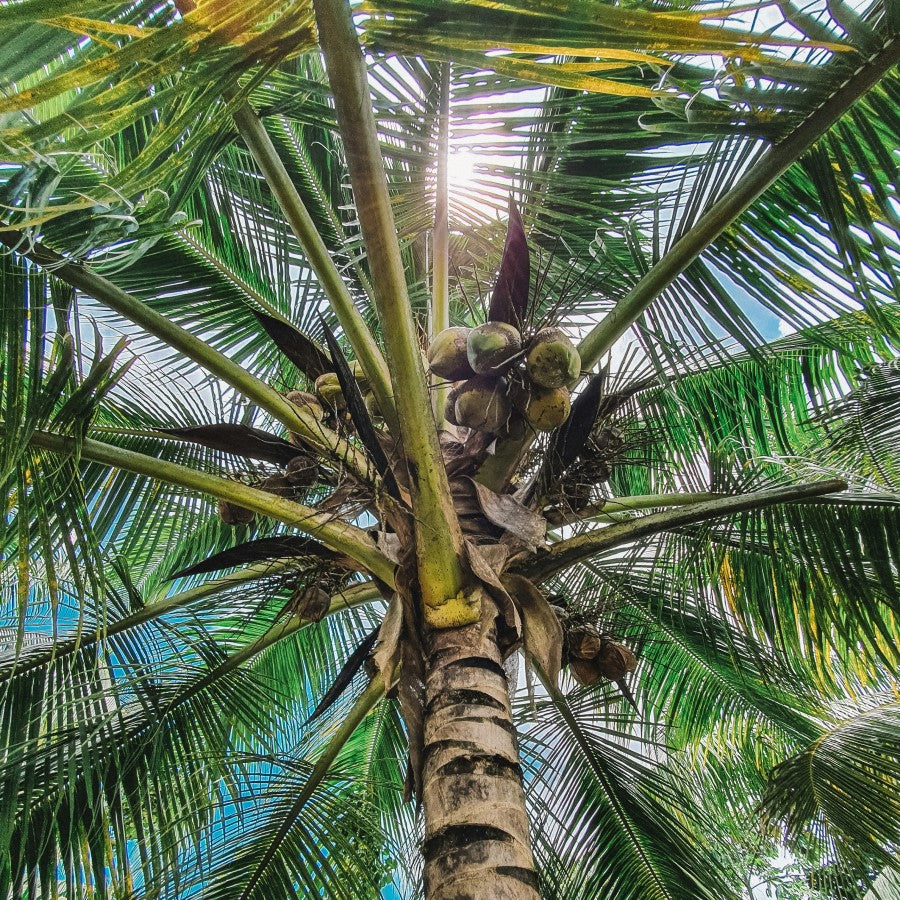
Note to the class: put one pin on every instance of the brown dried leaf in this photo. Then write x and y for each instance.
(390, 545)
(301, 350)
(260, 550)
(240, 440)
(486, 562)
(522, 523)
(387, 648)
(543, 635)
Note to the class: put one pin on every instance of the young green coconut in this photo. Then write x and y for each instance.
(447, 356)
(482, 404)
(552, 360)
(328, 387)
(491, 347)
(546, 410)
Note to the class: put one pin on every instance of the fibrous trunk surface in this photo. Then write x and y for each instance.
(476, 828)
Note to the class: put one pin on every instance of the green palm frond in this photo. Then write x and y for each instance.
(603, 827)
(842, 788)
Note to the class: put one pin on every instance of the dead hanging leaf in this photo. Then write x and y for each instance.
(543, 635)
(358, 413)
(509, 301)
(569, 440)
(387, 648)
(486, 562)
(411, 696)
(390, 545)
(503, 510)
(238, 439)
(302, 351)
(615, 660)
(346, 675)
(280, 547)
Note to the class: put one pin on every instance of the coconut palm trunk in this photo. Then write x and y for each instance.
(476, 826)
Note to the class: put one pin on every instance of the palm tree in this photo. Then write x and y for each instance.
(697, 564)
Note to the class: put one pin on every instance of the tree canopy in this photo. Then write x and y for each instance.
(705, 197)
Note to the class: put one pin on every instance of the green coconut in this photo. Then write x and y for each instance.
(552, 360)
(547, 410)
(492, 346)
(328, 387)
(447, 354)
(450, 403)
(482, 404)
(356, 370)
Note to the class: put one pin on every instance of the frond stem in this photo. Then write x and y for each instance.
(360, 709)
(581, 547)
(438, 534)
(259, 143)
(110, 295)
(334, 533)
(724, 211)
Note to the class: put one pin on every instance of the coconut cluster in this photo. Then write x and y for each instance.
(499, 379)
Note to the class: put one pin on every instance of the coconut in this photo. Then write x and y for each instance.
(552, 360)
(450, 404)
(308, 403)
(447, 354)
(310, 602)
(615, 660)
(481, 403)
(302, 471)
(585, 671)
(547, 410)
(583, 644)
(232, 514)
(490, 347)
(359, 375)
(328, 387)
(278, 485)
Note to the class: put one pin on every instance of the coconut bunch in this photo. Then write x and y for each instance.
(499, 381)
(328, 404)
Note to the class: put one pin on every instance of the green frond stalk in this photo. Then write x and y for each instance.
(104, 291)
(719, 217)
(580, 547)
(440, 241)
(352, 596)
(438, 535)
(259, 143)
(364, 704)
(597, 511)
(334, 533)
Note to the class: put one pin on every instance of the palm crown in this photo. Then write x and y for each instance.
(245, 617)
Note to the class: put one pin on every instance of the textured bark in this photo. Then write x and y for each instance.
(476, 828)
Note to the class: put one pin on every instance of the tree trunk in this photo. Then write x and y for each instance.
(476, 827)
